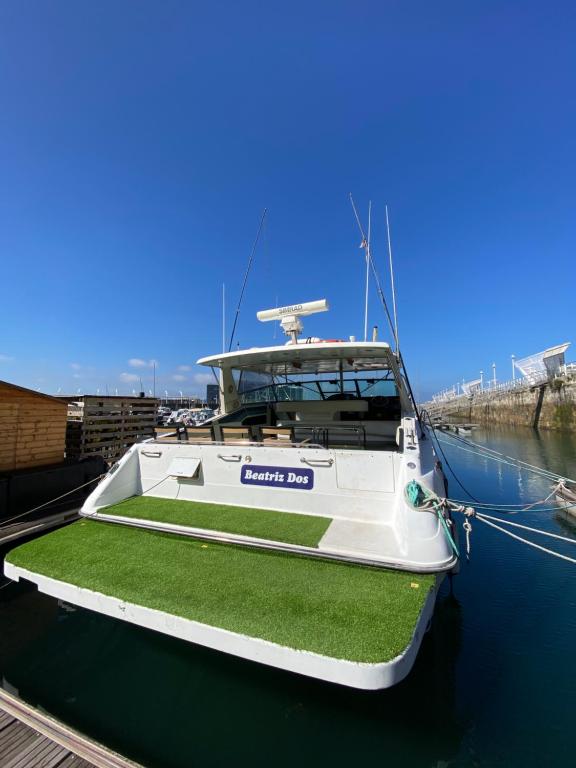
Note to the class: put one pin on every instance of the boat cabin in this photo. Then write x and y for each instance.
(335, 394)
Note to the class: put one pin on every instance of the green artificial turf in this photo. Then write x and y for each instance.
(335, 609)
(288, 527)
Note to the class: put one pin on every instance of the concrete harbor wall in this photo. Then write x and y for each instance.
(546, 406)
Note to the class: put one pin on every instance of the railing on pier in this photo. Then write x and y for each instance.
(449, 400)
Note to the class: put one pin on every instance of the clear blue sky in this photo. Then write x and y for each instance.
(140, 141)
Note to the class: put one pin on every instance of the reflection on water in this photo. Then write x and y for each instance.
(499, 656)
(168, 703)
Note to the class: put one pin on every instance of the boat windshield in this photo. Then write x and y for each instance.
(313, 388)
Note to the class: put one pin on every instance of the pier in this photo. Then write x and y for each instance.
(31, 739)
(544, 396)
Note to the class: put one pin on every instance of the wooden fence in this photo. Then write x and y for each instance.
(108, 426)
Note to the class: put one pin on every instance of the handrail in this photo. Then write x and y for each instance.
(257, 444)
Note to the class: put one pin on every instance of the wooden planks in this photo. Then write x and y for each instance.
(108, 426)
(31, 739)
(32, 428)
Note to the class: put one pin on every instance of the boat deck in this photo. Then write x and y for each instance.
(287, 527)
(289, 611)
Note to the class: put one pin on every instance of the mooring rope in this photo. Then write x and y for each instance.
(514, 509)
(47, 503)
(526, 541)
(517, 465)
(484, 517)
(487, 453)
(422, 498)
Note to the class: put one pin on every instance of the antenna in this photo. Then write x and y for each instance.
(392, 281)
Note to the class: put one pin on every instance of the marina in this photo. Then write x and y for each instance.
(287, 385)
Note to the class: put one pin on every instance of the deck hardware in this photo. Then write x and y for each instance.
(248, 459)
(152, 454)
(317, 462)
(230, 457)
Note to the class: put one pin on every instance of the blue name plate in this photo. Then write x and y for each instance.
(280, 477)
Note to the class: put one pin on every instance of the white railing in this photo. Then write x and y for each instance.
(450, 396)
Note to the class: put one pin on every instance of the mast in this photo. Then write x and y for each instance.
(367, 250)
(223, 317)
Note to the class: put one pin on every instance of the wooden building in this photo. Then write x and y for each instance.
(32, 428)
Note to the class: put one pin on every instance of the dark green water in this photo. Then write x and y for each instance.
(494, 684)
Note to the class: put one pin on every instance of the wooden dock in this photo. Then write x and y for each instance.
(31, 739)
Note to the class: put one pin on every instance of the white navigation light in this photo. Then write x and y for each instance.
(290, 316)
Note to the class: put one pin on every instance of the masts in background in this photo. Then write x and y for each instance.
(250, 260)
(367, 273)
(223, 317)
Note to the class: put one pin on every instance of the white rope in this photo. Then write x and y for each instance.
(162, 479)
(516, 461)
(47, 503)
(527, 528)
(525, 541)
(490, 453)
(468, 530)
(559, 486)
(523, 507)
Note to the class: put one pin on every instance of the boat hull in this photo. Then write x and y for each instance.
(360, 675)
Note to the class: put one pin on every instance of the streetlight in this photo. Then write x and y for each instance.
(166, 393)
(181, 396)
(494, 375)
(481, 379)
(513, 368)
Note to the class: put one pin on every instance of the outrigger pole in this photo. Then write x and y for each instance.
(250, 260)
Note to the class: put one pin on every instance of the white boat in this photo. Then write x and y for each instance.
(565, 496)
(310, 433)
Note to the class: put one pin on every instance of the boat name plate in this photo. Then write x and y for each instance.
(280, 477)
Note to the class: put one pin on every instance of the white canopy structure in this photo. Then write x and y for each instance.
(471, 387)
(549, 362)
(315, 358)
